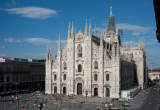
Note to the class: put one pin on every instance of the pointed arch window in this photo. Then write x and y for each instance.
(64, 77)
(107, 77)
(95, 77)
(55, 77)
(79, 50)
(95, 65)
(79, 68)
(64, 66)
(107, 92)
(55, 90)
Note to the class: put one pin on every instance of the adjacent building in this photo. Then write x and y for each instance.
(154, 74)
(95, 64)
(18, 75)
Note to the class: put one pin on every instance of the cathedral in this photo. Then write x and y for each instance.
(95, 64)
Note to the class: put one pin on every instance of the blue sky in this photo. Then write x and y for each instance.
(27, 27)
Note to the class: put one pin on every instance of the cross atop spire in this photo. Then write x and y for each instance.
(110, 10)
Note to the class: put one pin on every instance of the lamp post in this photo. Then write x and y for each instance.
(39, 105)
(17, 99)
(125, 105)
(86, 94)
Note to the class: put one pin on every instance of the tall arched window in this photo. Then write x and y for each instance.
(107, 92)
(64, 65)
(95, 77)
(107, 77)
(55, 90)
(95, 65)
(55, 77)
(79, 68)
(79, 48)
(64, 77)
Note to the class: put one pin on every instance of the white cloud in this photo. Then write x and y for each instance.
(12, 40)
(2, 55)
(135, 29)
(42, 41)
(33, 12)
(35, 41)
(100, 29)
(9, 39)
(38, 41)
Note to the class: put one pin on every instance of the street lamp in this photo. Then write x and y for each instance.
(17, 99)
(125, 105)
(86, 95)
(39, 105)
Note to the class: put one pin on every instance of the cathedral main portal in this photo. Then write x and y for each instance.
(79, 89)
(95, 91)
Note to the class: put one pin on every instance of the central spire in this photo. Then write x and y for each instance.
(111, 25)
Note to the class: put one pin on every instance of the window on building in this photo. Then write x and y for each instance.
(55, 90)
(79, 48)
(95, 77)
(64, 77)
(79, 68)
(107, 77)
(95, 65)
(64, 66)
(55, 77)
(107, 92)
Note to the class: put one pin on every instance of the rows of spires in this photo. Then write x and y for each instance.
(111, 26)
(71, 30)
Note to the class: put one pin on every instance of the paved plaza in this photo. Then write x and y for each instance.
(148, 99)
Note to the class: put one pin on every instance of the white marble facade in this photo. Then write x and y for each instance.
(91, 64)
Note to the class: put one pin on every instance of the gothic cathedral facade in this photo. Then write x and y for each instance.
(94, 65)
